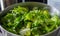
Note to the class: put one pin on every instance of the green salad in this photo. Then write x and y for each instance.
(33, 22)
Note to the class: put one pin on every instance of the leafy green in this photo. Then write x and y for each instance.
(38, 21)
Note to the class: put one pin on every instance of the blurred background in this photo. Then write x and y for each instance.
(10, 2)
(6, 3)
(0, 4)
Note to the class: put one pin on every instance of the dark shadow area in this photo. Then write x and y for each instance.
(19, 1)
(34, 0)
(42, 1)
(0, 7)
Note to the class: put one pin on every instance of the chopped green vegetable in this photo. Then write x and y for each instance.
(38, 21)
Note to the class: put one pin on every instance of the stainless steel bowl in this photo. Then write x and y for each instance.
(30, 5)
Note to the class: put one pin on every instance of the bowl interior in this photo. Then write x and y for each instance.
(30, 5)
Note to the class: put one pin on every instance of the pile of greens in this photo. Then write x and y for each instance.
(38, 21)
